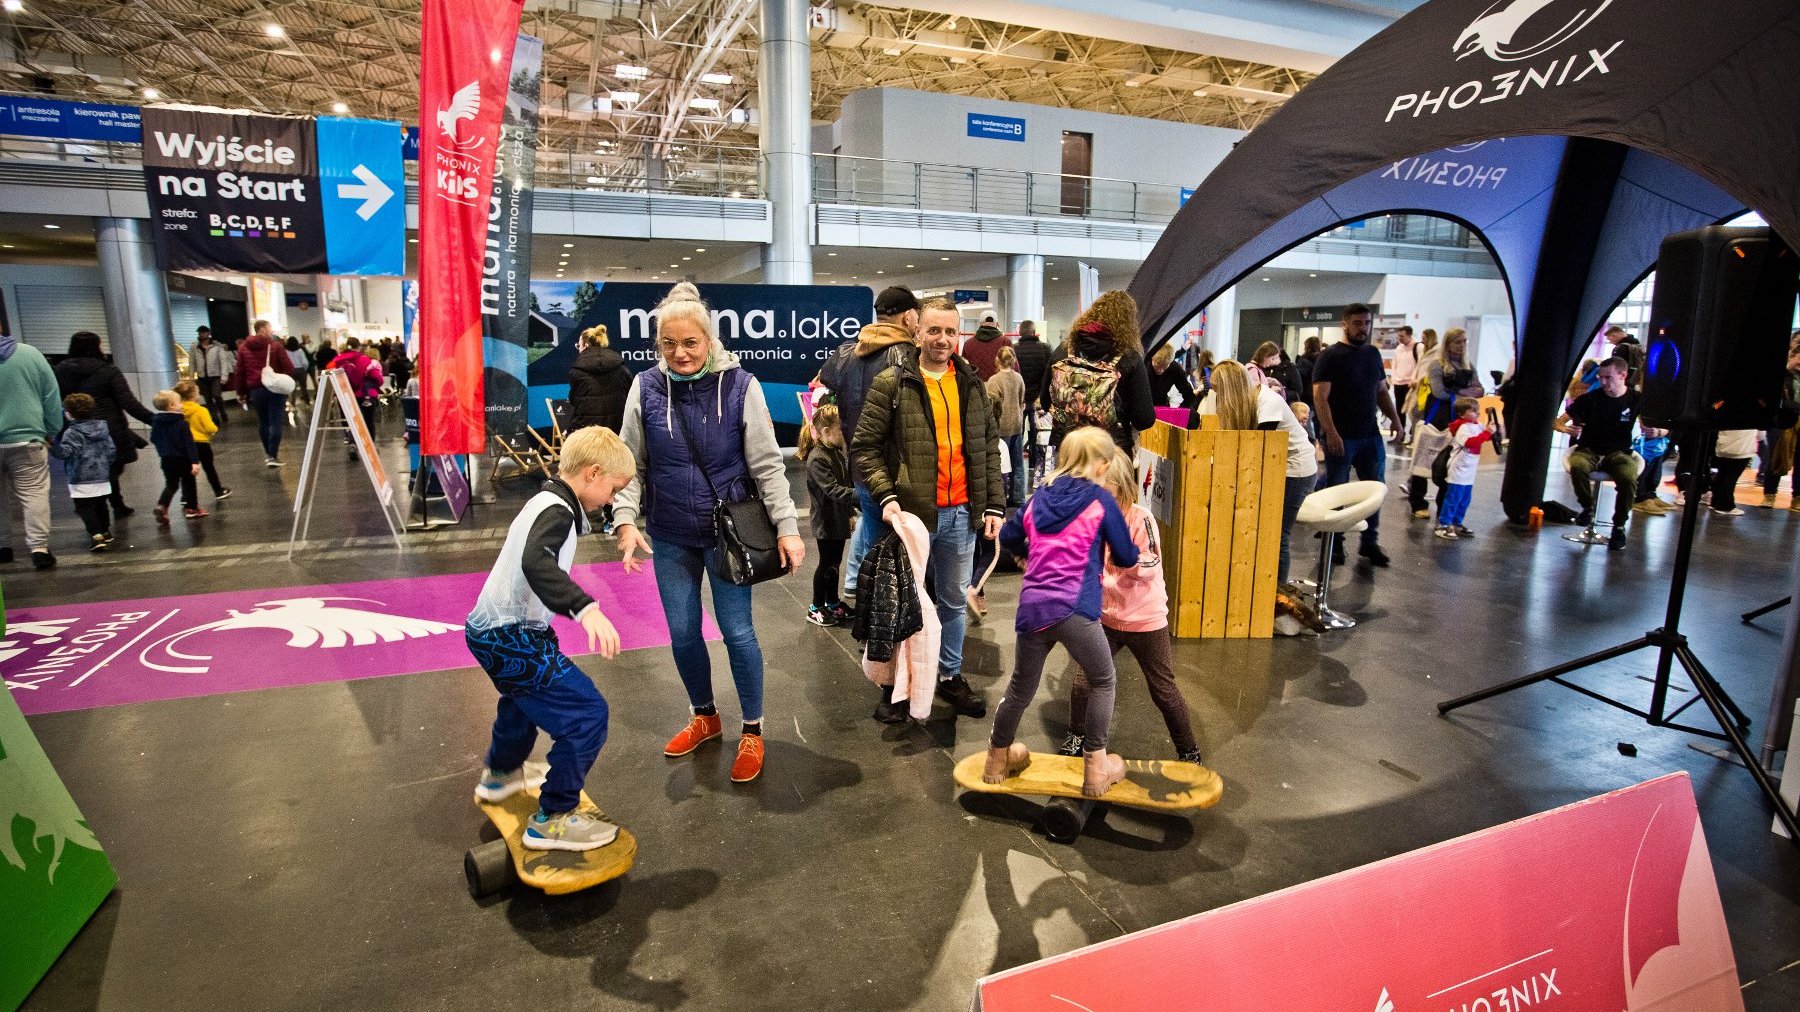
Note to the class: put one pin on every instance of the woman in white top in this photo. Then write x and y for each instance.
(1243, 405)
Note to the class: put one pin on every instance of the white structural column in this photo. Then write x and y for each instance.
(1025, 289)
(1221, 325)
(784, 92)
(136, 300)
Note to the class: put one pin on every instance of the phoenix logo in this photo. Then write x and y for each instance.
(1496, 31)
(38, 633)
(308, 621)
(1384, 1003)
(464, 105)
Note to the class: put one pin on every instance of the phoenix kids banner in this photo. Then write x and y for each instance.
(466, 49)
(234, 190)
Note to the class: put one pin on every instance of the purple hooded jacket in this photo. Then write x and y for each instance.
(1062, 534)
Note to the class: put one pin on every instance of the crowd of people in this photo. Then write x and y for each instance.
(80, 412)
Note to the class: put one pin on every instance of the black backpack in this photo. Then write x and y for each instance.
(1440, 468)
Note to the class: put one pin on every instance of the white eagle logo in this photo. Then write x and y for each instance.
(1494, 32)
(465, 104)
(308, 621)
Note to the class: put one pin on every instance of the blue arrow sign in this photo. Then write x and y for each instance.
(361, 186)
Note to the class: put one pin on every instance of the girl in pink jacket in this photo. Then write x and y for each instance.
(1134, 610)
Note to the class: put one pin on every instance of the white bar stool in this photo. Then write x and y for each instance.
(1332, 511)
(1590, 535)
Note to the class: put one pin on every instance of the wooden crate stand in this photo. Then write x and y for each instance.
(1222, 550)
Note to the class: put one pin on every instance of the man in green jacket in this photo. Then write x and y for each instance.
(30, 416)
(926, 444)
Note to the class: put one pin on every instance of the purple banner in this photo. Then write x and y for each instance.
(75, 657)
(454, 482)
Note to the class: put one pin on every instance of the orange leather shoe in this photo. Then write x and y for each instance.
(748, 765)
(698, 732)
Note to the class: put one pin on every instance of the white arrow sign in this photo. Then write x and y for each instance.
(371, 191)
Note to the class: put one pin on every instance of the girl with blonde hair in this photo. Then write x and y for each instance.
(1241, 405)
(1134, 612)
(1063, 534)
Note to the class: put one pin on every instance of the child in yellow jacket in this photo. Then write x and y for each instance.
(201, 425)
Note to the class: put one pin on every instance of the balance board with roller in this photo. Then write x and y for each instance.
(1165, 784)
(491, 866)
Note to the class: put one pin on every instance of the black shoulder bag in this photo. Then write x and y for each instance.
(745, 535)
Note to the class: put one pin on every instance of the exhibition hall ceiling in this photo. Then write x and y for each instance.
(665, 71)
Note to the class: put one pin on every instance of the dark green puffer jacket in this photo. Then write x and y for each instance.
(895, 446)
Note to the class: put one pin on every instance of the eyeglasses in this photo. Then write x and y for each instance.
(670, 347)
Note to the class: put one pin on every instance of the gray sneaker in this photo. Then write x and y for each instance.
(573, 830)
(495, 787)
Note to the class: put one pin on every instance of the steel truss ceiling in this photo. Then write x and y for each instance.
(365, 54)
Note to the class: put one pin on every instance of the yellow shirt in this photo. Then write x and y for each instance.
(199, 421)
(946, 409)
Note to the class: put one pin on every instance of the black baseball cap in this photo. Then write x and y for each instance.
(894, 301)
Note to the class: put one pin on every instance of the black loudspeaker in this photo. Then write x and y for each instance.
(1716, 351)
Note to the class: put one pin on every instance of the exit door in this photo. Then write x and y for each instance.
(1077, 167)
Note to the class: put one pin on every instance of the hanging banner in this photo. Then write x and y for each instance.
(73, 121)
(506, 269)
(362, 183)
(233, 190)
(465, 55)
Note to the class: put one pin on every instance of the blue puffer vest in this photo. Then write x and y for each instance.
(677, 502)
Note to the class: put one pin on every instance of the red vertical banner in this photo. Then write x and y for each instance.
(466, 54)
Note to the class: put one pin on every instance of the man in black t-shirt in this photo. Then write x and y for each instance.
(1602, 421)
(1349, 383)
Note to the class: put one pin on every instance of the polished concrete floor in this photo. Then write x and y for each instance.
(301, 847)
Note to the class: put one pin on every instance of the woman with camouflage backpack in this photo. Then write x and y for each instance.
(1098, 377)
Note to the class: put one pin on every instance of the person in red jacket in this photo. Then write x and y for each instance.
(983, 350)
(258, 351)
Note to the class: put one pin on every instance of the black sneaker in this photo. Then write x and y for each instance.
(961, 696)
(6, 555)
(1617, 541)
(1189, 755)
(888, 712)
(820, 616)
(1337, 549)
(42, 560)
(121, 512)
(223, 495)
(1375, 555)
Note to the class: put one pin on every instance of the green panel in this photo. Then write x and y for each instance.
(53, 875)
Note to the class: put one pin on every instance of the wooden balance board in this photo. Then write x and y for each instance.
(554, 871)
(1149, 783)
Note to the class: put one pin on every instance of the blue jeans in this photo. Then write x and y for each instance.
(1455, 505)
(869, 530)
(271, 419)
(678, 569)
(1015, 484)
(1295, 492)
(541, 688)
(1368, 456)
(952, 559)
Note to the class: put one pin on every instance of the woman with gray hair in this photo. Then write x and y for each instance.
(700, 430)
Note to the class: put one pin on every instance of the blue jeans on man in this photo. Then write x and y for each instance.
(1367, 456)
(952, 559)
(271, 419)
(869, 529)
(678, 572)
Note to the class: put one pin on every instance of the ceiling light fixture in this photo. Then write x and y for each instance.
(909, 266)
(274, 31)
(1312, 275)
(415, 242)
(699, 249)
(1268, 279)
(716, 78)
(831, 254)
(152, 94)
(707, 104)
(881, 272)
(631, 72)
(737, 193)
(339, 108)
(687, 258)
(13, 7)
(943, 258)
(568, 245)
(1056, 279)
(52, 226)
(626, 97)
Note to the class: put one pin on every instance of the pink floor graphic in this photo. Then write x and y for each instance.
(81, 656)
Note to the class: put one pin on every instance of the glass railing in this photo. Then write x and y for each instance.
(929, 186)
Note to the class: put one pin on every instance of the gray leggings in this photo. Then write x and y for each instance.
(1085, 640)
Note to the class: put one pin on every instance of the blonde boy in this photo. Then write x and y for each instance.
(509, 633)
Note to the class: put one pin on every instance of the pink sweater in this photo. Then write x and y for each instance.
(1134, 598)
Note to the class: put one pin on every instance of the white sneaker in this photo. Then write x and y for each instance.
(567, 831)
(497, 787)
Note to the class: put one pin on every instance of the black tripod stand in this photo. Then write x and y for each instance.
(1671, 646)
